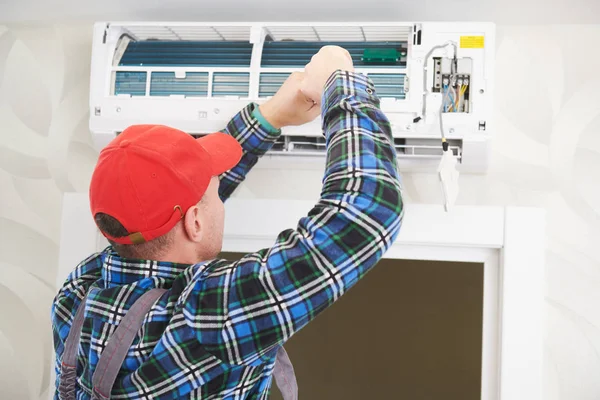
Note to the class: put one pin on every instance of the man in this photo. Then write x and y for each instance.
(157, 195)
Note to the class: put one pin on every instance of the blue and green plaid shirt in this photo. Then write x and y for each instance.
(215, 333)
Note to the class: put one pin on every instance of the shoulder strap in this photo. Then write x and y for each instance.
(118, 345)
(68, 366)
(115, 352)
(285, 378)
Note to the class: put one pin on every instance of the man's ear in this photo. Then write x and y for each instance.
(192, 223)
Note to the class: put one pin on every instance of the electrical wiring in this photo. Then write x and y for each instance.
(441, 112)
(461, 95)
(425, 60)
(445, 97)
(452, 100)
(457, 101)
(426, 92)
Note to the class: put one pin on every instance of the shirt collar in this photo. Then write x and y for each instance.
(122, 271)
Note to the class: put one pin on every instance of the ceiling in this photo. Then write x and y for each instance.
(499, 11)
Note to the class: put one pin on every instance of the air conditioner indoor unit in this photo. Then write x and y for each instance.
(196, 76)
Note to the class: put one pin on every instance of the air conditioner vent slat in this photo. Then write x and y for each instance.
(189, 32)
(290, 145)
(405, 148)
(344, 33)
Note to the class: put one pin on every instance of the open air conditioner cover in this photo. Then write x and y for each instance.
(196, 76)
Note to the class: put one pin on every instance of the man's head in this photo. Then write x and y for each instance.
(154, 193)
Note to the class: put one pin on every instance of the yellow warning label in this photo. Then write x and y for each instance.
(472, 42)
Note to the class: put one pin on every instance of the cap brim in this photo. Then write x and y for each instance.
(224, 150)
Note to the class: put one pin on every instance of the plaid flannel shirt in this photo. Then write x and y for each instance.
(215, 333)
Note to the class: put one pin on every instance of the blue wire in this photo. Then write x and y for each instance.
(444, 98)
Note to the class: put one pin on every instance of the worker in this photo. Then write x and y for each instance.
(211, 328)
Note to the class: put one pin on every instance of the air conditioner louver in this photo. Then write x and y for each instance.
(288, 145)
(187, 32)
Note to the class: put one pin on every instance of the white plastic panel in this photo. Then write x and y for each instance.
(342, 33)
(175, 95)
(191, 32)
(376, 33)
(293, 33)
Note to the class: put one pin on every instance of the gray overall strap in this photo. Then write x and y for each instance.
(115, 352)
(68, 365)
(284, 375)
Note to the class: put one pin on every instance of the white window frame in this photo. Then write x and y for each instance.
(509, 242)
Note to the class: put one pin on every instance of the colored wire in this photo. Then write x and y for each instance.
(443, 105)
(452, 99)
(429, 53)
(445, 98)
(461, 95)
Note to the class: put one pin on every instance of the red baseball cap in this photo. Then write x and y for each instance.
(150, 175)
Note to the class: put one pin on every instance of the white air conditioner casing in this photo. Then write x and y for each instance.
(196, 76)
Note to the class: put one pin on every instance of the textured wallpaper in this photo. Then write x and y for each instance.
(546, 154)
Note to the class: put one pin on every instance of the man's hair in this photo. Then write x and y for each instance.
(146, 251)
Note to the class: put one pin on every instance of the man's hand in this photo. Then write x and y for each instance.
(316, 73)
(289, 106)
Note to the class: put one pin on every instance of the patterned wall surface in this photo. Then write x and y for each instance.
(546, 154)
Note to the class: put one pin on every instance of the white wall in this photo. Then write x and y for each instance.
(503, 12)
(547, 154)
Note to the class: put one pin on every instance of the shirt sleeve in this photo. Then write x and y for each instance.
(243, 311)
(256, 136)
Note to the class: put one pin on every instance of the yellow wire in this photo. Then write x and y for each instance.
(463, 89)
(454, 104)
(457, 99)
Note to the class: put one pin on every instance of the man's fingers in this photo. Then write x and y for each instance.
(310, 96)
(309, 92)
(313, 112)
(309, 104)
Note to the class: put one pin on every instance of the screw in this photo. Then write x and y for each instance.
(451, 130)
(217, 111)
(481, 91)
(118, 109)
